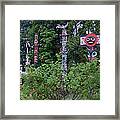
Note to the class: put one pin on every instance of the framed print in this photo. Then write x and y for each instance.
(60, 60)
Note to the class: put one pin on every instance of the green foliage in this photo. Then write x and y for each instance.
(76, 53)
(42, 82)
(45, 82)
(83, 81)
(94, 27)
(49, 40)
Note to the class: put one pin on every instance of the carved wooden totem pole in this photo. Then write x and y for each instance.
(64, 49)
(36, 49)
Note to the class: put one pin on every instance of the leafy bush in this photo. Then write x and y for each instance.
(46, 83)
(42, 82)
(83, 81)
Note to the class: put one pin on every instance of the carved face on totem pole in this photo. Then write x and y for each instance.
(91, 40)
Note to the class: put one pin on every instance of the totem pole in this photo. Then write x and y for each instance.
(27, 51)
(90, 41)
(64, 49)
(76, 27)
(25, 59)
(36, 49)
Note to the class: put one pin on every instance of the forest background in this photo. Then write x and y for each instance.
(43, 81)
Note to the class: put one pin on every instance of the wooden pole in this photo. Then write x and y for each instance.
(36, 49)
(64, 49)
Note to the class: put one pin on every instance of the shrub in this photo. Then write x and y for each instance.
(46, 83)
(83, 81)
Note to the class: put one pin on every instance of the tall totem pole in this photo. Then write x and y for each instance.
(90, 40)
(27, 51)
(64, 49)
(36, 49)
